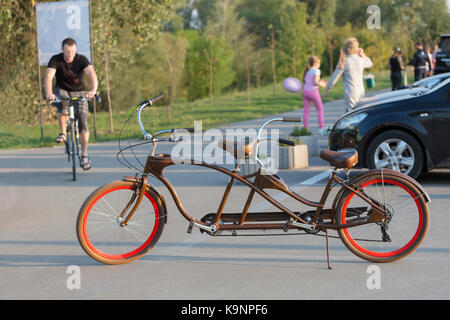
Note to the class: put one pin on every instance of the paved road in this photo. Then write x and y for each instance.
(38, 243)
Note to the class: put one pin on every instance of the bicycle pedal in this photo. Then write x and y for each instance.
(191, 225)
(288, 225)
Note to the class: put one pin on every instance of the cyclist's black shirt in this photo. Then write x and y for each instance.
(69, 76)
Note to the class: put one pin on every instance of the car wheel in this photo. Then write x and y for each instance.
(396, 150)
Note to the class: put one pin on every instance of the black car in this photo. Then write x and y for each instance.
(443, 55)
(410, 134)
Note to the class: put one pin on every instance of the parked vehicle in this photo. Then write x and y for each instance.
(443, 55)
(406, 133)
(418, 86)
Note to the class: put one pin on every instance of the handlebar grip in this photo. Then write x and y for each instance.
(285, 141)
(189, 129)
(154, 99)
(287, 119)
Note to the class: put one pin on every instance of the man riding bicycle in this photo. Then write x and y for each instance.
(69, 68)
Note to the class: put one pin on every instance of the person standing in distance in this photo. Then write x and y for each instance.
(419, 61)
(396, 65)
(69, 68)
(351, 67)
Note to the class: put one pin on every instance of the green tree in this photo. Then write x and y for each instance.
(144, 18)
(296, 39)
(208, 66)
(18, 63)
(259, 15)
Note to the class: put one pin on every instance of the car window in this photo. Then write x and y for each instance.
(445, 44)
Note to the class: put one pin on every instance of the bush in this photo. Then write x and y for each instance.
(297, 132)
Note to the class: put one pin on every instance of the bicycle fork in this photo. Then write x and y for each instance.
(137, 196)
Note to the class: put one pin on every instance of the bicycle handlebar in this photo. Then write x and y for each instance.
(81, 98)
(287, 119)
(143, 105)
(285, 141)
(151, 101)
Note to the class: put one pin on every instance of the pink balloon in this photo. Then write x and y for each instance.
(292, 85)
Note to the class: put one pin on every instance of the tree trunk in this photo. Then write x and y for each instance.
(171, 86)
(274, 74)
(247, 67)
(211, 83)
(330, 52)
(211, 73)
(294, 67)
(108, 89)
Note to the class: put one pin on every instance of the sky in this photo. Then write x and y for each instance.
(448, 5)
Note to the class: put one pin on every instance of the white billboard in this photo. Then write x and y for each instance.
(59, 20)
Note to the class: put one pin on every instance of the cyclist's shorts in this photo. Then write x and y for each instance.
(81, 108)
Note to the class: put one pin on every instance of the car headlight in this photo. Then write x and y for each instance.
(351, 120)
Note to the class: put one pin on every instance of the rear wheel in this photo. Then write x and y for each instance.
(395, 236)
(100, 230)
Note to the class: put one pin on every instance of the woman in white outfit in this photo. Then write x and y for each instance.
(351, 67)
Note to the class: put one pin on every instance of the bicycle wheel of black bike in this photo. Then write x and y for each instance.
(72, 148)
(395, 236)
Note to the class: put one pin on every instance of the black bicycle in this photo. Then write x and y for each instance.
(73, 139)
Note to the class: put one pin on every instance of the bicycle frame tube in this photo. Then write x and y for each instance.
(156, 164)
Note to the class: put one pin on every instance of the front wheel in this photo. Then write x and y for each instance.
(101, 232)
(395, 236)
(72, 148)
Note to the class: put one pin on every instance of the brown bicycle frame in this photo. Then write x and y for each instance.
(156, 164)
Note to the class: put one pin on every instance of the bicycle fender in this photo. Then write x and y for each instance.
(394, 173)
(158, 197)
(338, 196)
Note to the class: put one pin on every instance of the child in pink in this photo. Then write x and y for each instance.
(311, 80)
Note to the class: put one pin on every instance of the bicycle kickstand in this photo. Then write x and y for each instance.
(328, 249)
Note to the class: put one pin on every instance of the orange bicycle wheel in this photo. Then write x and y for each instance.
(103, 236)
(394, 237)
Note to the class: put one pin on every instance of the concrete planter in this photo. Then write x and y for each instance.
(293, 158)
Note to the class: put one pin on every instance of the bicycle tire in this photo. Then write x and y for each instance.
(117, 244)
(382, 242)
(73, 150)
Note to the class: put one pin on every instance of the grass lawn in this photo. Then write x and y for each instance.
(228, 108)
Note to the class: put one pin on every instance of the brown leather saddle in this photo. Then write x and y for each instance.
(239, 149)
(344, 159)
